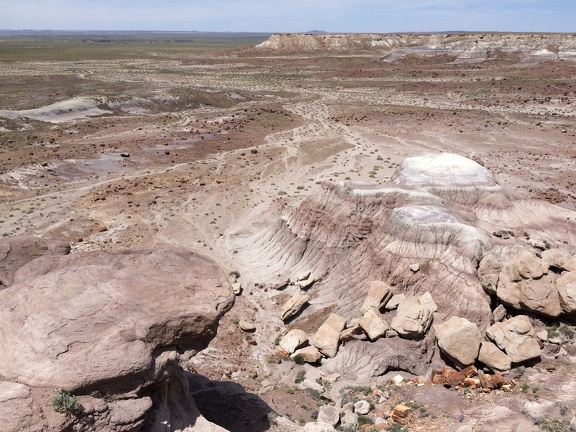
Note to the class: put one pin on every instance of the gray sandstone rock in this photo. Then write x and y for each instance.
(293, 340)
(328, 414)
(305, 274)
(459, 339)
(237, 288)
(493, 357)
(327, 337)
(373, 324)
(427, 301)
(15, 406)
(306, 283)
(362, 407)
(129, 414)
(246, 325)
(293, 306)
(348, 419)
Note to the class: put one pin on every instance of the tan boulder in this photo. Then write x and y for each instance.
(327, 337)
(413, 318)
(378, 295)
(305, 284)
(394, 301)
(459, 339)
(556, 258)
(293, 340)
(373, 324)
(309, 354)
(353, 332)
(499, 313)
(524, 265)
(493, 357)
(566, 286)
(524, 283)
(516, 337)
(570, 265)
(293, 306)
(488, 273)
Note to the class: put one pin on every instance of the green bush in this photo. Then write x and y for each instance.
(64, 401)
(298, 359)
(300, 376)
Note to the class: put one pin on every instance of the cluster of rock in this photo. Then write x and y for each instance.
(412, 320)
(506, 342)
(544, 284)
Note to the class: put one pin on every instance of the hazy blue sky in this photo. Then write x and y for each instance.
(291, 15)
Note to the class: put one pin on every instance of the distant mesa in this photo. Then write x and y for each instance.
(457, 47)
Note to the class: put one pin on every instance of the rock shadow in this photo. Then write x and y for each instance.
(229, 405)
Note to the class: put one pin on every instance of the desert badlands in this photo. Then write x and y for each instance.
(290, 232)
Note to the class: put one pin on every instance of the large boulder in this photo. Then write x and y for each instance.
(309, 354)
(327, 337)
(100, 321)
(566, 286)
(557, 258)
(488, 273)
(17, 251)
(293, 306)
(413, 318)
(378, 295)
(493, 357)
(293, 340)
(524, 283)
(373, 324)
(459, 339)
(515, 336)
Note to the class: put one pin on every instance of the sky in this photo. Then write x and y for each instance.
(345, 16)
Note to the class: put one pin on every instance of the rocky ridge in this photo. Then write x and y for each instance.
(461, 47)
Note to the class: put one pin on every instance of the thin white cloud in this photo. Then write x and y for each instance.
(290, 15)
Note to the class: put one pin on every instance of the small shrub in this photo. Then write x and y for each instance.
(64, 402)
(298, 359)
(364, 420)
(567, 331)
(300, 376)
